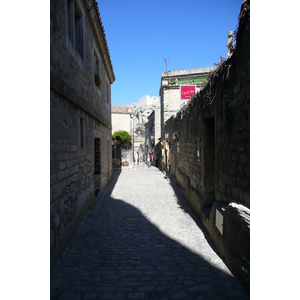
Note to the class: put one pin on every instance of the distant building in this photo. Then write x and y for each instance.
(170, 89)
(148, 101)
(153, 135)
(81, 74)
(142, 110)
(121, 118)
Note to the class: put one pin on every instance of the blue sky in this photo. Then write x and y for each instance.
(141, 34)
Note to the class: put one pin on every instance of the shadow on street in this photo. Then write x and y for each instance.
(118, 254)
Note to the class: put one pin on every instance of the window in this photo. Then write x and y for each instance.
(71, 20)
(97, 166)
(97, 71)
(75, 26)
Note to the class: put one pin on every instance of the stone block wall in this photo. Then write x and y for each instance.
(80, 112)
(170, 104)
(157, 125)
(72, 179)
(72, 75)
(210, 152)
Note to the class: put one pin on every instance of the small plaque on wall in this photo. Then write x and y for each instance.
(219, 221)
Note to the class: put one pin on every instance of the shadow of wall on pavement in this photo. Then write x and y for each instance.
(187, 208)
(118, 254)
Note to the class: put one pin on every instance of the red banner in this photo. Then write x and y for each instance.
(187, 92)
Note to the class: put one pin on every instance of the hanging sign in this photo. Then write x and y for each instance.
(187, 92)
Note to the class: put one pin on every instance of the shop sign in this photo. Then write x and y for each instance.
(187, 92)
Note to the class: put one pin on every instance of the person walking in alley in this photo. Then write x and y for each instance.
(150, 160)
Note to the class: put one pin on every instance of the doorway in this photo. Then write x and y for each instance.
(208, 137)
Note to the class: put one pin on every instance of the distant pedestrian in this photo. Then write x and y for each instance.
(134, 161)
(150, 160)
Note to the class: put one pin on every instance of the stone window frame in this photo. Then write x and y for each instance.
(75, 35)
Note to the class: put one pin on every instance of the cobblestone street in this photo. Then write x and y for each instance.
(141, 240)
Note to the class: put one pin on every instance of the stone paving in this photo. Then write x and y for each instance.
(141, 240)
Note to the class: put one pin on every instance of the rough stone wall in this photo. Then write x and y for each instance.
(157, 125)
(185, 73)
(75, 97)
(219, 116)
(73, 76)
(170, 104)
(72, 169)
(172, 100)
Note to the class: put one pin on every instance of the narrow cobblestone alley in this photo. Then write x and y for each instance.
(141, 240)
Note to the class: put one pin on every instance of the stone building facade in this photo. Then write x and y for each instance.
(80, 114)
(142, 110)
(148, 101)
(121, 117)
(153, 136)
(170, 89)
(209, 151)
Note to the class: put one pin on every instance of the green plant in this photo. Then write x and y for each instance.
(97, 80)
(121, 135)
